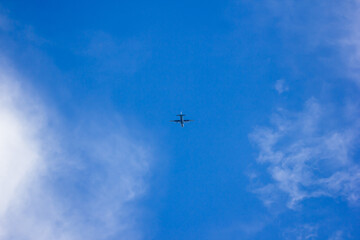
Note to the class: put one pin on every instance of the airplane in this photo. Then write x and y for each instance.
(182, 120)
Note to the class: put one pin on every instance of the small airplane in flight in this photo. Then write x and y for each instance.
(182, 121)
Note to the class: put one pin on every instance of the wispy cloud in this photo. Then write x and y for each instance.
(116, 55)
(5, 22)
(302, 232)
(73, 182)
(338, 235)
(332, 25)
(350, 42)
(307, 158)
(281, 86)
(20, 147)
(328, 31)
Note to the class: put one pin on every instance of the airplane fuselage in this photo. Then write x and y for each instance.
(182, 120)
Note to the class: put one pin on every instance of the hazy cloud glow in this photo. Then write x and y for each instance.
(87, 191)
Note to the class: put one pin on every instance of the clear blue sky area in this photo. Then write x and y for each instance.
(273, 87)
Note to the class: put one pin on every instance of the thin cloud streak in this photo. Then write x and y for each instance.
(350, 43)
(302, 232)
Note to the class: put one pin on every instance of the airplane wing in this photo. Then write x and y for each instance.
(175, 121)
(188, 120)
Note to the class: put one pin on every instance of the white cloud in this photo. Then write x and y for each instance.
(20, 149)
(84, 185)
(307, 156)
(280, 86)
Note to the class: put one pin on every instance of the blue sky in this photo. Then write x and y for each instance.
(87, 90)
